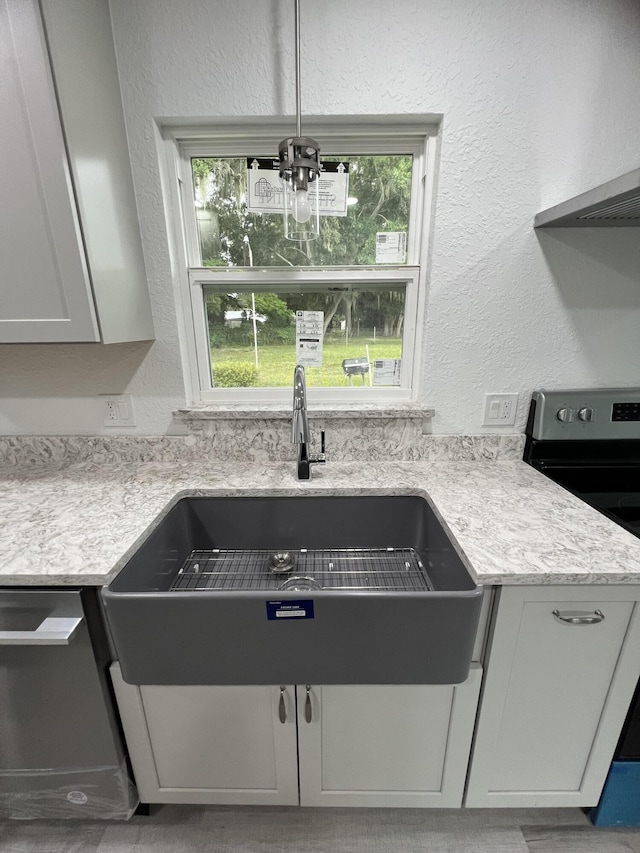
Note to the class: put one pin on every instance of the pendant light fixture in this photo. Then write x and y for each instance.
(299, 158)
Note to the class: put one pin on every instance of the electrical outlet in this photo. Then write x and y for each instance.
(118, 410)
(500, 409)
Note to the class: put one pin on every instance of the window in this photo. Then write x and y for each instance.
(250, 288)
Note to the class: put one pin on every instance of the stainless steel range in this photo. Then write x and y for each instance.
(589, 442)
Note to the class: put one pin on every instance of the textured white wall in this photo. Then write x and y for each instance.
(540, 103)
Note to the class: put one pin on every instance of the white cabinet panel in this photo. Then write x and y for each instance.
(386, 745)
(45, 293)
(82, 53)
(72, 263)
(400, 745)
(210, 744)
(185, 727)
(555, 696)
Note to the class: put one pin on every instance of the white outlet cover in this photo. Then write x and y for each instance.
(500, 409)
(123, 406)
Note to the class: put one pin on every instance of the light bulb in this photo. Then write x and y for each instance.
(300, 208)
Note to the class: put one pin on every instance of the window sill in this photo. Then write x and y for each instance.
(229, 412)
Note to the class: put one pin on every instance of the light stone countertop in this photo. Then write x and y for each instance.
(77, 525)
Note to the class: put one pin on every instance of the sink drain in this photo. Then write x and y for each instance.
(300, 583)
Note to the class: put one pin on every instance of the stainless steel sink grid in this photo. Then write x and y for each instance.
(337, 569)
(364, 613)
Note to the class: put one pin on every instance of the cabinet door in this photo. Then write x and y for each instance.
(45, 293)
(555, 696)
(386, 745)
(82, 53)
(202, 744)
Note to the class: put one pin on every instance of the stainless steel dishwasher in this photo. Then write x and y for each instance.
(61, 752)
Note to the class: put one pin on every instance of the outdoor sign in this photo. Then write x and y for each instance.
(391, 247)
(386, 371)
(309, 338)
(265, 191)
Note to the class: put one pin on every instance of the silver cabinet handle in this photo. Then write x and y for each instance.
(52, 631)
(282, 708)
(579, 617)
(308, 714)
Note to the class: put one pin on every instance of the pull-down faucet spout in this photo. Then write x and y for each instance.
(300, 427)
(300, 422)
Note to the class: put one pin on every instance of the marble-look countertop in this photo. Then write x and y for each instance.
(78, 524)
(335, 411)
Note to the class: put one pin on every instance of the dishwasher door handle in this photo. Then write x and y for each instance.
(52, 631)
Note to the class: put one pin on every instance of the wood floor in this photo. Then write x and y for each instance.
(187, 829)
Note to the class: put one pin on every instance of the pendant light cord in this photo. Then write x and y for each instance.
(298, 119)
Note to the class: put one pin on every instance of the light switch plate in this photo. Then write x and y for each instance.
(500, 409)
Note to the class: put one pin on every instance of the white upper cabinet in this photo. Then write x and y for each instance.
(72, 264)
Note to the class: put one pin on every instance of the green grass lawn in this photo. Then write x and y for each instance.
(276, 363)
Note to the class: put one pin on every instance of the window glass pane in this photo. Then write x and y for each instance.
(379, 193)
(252, 336)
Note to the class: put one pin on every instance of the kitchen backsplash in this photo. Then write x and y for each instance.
(265, 440)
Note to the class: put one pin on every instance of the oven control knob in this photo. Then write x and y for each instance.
(566, 415)
(586, 414)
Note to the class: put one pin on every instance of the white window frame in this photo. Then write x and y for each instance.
(417, 136)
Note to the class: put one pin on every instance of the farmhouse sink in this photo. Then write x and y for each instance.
(357, 589)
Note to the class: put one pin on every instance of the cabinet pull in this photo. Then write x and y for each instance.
(308, 715)
(579, 617)
(282, 708)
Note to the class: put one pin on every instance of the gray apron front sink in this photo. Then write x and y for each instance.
(357, 589)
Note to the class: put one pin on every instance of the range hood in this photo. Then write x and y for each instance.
(614, 204)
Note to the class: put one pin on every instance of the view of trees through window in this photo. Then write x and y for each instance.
(252, 334)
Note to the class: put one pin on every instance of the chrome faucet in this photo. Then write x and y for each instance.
(300, 427)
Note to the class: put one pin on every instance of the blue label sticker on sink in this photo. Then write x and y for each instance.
(302, 609)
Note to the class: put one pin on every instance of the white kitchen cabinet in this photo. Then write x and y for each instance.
(398, 745)
(386, 745)
(72, 263)
(555, 695)
(202, 744)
